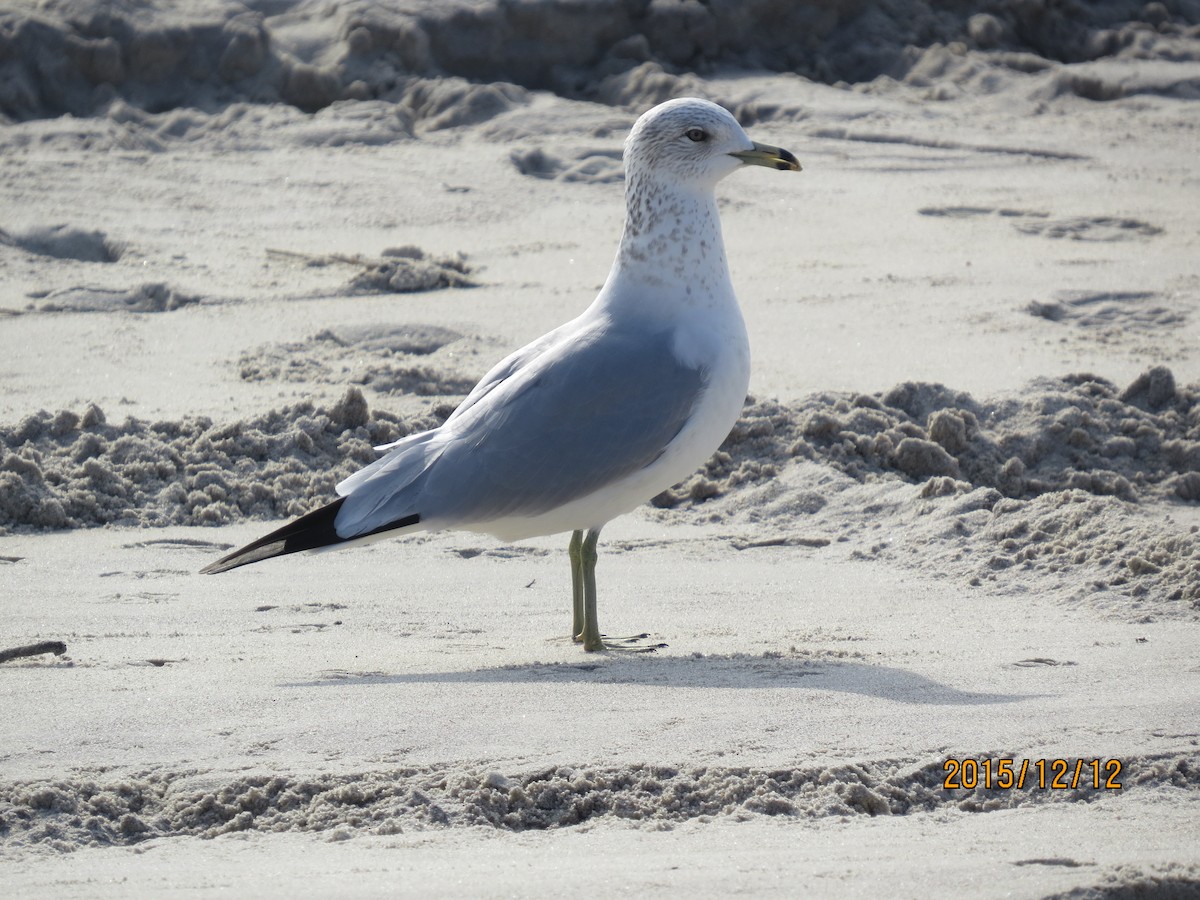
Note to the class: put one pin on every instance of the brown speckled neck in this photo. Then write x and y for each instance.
(672, 242)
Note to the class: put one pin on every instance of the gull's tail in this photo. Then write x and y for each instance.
(309, 532)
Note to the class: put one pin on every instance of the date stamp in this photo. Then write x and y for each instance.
(1043, 774)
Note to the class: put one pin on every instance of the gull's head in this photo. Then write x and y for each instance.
(697, 143)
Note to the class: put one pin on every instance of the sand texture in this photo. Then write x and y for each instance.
(241, 244)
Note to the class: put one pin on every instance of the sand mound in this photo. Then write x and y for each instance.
(1101, 552)
(1050, 482)
(71, 813)
(70, 470)
(70, 57)
(405, 275)
(1078, 432)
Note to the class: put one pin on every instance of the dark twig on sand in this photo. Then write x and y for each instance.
(58, 648)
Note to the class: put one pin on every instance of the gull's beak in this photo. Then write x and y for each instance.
(771, 157)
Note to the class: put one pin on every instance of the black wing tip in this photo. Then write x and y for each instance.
(309, 532)
(251, 553)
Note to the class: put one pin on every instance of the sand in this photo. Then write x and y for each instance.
(959, 518)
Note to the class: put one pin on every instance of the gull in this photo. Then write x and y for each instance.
(606, 411)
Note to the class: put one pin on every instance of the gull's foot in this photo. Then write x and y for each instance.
(636, 643)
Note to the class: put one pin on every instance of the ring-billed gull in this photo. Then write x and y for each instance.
(604, 412)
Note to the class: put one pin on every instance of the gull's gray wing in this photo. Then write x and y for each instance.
(511, 364)
(601, 404)
(598, 409)
(406, 459)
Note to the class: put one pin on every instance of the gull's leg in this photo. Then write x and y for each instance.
(586, 627)
(587, 558)
(576, 585)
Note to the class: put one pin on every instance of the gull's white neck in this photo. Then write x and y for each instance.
(672, 256)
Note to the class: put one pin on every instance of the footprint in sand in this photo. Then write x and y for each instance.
(1075, 228)
(372, 355)
(65, 242)
(1107, 310)
(1091, 228)
(145, 298)
(588, 166)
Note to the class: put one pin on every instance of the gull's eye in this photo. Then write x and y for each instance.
(697, 135)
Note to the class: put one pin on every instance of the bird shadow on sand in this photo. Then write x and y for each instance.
(731, 672)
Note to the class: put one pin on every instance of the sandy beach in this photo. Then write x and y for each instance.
(958, 520)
